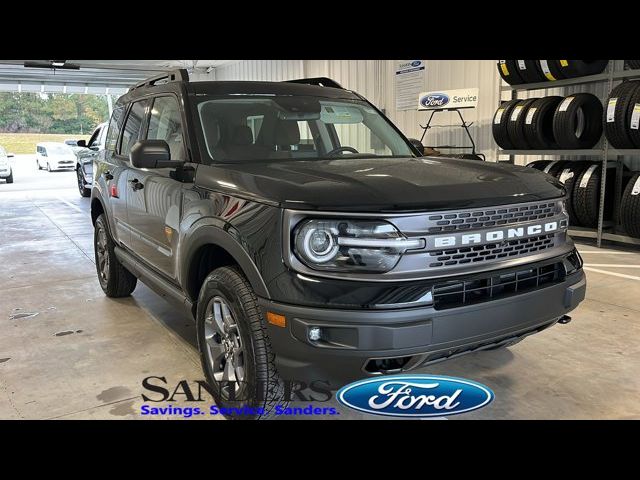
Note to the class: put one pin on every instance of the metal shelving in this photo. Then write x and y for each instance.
(600, 77)
(603, 151)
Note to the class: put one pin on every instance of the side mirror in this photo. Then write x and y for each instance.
(418, 145)
(152, 154)
(81, 143)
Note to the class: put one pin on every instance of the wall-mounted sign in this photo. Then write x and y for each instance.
(447, 99)
(410, 80)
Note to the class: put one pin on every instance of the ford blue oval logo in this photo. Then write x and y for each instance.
(434, 100)
(415, 395)
(416, 63)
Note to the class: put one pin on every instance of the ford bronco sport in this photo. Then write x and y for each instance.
(311, 240)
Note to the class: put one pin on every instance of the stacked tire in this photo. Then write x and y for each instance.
(572, 122)
(621, 116)
(517, 72)
(630, 207)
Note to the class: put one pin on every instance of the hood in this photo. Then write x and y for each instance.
(381, 184)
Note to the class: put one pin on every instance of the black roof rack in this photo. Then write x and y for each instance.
(180, 75)
(320, 81)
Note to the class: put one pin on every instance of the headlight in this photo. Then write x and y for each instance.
(350, 245)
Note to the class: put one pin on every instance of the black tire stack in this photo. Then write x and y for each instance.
(517, 72)
(621, 117)
(586, 196)
(572, 122)
(630, 207)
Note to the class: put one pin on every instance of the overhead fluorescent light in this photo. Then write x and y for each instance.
(56, 64)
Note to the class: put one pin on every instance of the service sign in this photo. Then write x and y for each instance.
(448, 99)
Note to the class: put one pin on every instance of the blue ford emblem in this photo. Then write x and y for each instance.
(415, 395)
(434, 100)
(416, 63)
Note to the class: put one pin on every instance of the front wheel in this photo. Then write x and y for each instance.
(115, 280)
(235, 349)
(9, 179)
(84, 191)
(48, 167)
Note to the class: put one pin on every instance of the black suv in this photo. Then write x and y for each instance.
(311, 240)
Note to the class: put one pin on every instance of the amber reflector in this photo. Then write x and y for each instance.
(277, 320)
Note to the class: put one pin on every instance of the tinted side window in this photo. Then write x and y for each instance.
(93, 141)
(131, 132)
(114, 129)
(165, 123)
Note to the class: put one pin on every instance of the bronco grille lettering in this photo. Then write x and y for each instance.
(446, 241)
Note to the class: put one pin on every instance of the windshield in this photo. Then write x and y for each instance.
(257, 128)
(61, 149)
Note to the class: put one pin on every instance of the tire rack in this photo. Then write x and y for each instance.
(605, 151)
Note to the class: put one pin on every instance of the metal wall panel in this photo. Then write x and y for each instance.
(375, 79)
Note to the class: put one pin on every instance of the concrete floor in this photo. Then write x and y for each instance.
(83, 356)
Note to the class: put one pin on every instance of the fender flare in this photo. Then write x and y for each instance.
(215, 235)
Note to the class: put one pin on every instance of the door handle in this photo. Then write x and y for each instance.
(108, 175)
(135, 184)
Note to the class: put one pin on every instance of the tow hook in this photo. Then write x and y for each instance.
(564, 319)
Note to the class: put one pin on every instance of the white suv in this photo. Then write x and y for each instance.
(6, 173)
(55, 156)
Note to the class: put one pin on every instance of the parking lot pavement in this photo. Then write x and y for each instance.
(67, 351)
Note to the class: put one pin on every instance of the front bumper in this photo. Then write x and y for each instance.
(5, 173)
(409, 337)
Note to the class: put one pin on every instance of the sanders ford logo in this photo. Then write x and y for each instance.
(415, 395)
(434, 100)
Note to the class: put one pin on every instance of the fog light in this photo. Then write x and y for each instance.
(314, 334)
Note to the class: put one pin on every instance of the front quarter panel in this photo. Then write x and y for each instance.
(248, 230)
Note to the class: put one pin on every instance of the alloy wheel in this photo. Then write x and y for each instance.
(224, 347)
(103, 255)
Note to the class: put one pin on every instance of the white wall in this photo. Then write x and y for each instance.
(375, 80)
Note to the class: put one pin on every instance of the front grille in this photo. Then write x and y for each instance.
(492, 251)
(477, 219)
(491, 287)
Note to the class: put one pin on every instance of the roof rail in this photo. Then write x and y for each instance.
(320, 81)
(180, 75)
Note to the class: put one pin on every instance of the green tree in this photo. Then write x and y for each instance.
(51, 113)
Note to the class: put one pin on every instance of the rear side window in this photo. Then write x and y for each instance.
(113, 131)
(131, 132)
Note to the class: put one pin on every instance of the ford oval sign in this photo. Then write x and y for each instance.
(434, 100)
(416, 63)
(415, 395)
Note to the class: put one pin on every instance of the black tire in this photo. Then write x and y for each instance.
(569, 175)
(529, 71)
(9, 179)
(633, 64)
(586, 196)
(499, 129)
(538, 124)
(508, 72)
(48, 167)
(258, 359)
(580, 68)
(84, 191)
(115, 280)
(38, 165)
(515, 125)
(554, 167)
(577, 121)
(551, 70)
(539, 164)
(630, 207)
(633, 119)
(615, 115)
